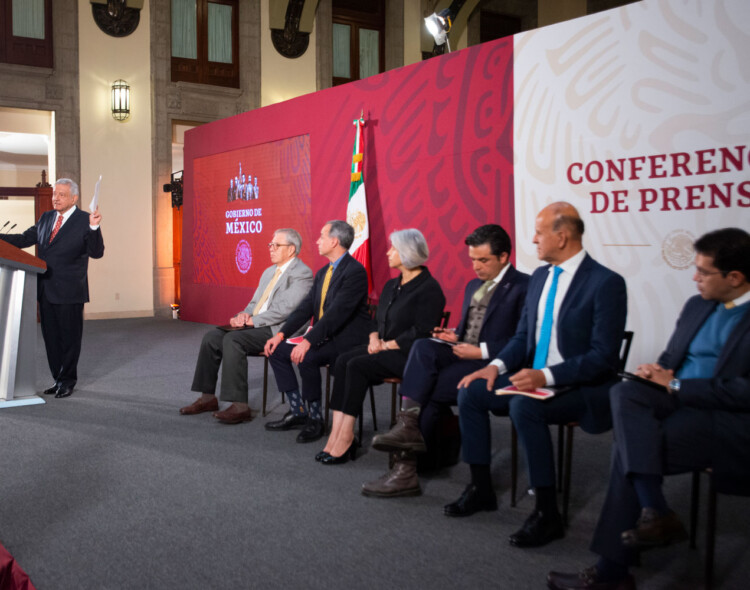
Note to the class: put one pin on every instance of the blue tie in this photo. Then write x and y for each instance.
(542, 347)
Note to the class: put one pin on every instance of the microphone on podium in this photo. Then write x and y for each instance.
(6, 223)
(10, 228)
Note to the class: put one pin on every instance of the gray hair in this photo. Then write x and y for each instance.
(292, 236)
(69, 183)
(411, 247)
(342, 231)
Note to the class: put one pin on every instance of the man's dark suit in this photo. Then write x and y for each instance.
(432, 371)
(345, 324)
(707, 424)
(63, 288)
(590, 325)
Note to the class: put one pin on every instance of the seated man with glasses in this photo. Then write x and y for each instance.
(690, 411)
(282, 286)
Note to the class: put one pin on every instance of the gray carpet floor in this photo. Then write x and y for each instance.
(113, 489)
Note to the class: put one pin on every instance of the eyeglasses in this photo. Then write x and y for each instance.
(707, 273)
(274, 245)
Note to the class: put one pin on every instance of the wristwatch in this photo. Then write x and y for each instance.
(674, 386)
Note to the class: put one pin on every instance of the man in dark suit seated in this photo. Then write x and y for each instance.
(337, 305)
(569, 336)
(67, 237)
(695, 415)
(492, 306)
(282, 286)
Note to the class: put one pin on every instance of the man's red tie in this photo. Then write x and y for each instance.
(56, 229)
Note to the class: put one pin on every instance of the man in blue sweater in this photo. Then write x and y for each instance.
(692, 412)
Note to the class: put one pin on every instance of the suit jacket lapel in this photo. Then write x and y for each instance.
(734, 338)
(691, 324)
(501, 291)
(576, 285)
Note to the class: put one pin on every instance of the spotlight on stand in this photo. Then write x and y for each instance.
(175, 187)
(439, 25)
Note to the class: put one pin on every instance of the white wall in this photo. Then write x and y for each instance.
(121, 283)
(283, 78)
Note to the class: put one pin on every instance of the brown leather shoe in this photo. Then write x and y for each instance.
(402, 480)
(404, 436)
(199, 406)
(587, 579)
(654, 530)
(234, 416)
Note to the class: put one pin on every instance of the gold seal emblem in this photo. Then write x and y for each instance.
(357, 220)
(677, 249)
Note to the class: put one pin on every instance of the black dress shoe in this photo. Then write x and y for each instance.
(539, 529)
(587, 579)
(322, 455)
(313, 430)
(64, 391)
(350, 453)
(288, 422)
(471, 501)
(51, 390)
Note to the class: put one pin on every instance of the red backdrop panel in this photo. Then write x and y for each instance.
(438, 146)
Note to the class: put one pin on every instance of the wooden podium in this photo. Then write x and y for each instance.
(18, 275)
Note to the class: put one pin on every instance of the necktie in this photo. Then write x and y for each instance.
(267, 292)
(542, 347)
(324, 291)
(482, 291)
(56, 229)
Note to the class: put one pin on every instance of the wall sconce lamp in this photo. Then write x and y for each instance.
(120, 100)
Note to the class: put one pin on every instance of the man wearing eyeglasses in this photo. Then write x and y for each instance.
(690, 411)
(282, 286)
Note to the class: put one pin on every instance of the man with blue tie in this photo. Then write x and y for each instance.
(694, 414)
(569, 337)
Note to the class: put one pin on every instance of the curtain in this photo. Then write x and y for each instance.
(219, 32)
(341, 51)
(28, 18)
(184, 34)
(369, 53)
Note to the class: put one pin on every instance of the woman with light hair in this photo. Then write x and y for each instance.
(410, 307)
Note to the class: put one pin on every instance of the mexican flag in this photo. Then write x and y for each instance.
(356, 210)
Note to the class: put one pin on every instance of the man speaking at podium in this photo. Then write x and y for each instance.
(66, 237)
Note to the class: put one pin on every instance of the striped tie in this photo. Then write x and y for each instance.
(56, 229)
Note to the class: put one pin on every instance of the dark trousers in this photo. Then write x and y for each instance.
(431, 379)
(654, 435)
(356, 370)
(309, 369)
(62, 330)
(531, 418)
(230, 351)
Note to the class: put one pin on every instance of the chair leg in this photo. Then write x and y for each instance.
(710, 532)
(361, 423)
(560, 446)
(513, 464)
(567, 468)
(265, 386)
(694, 501)
(328, 393)
(394, 390)
(374, 413)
